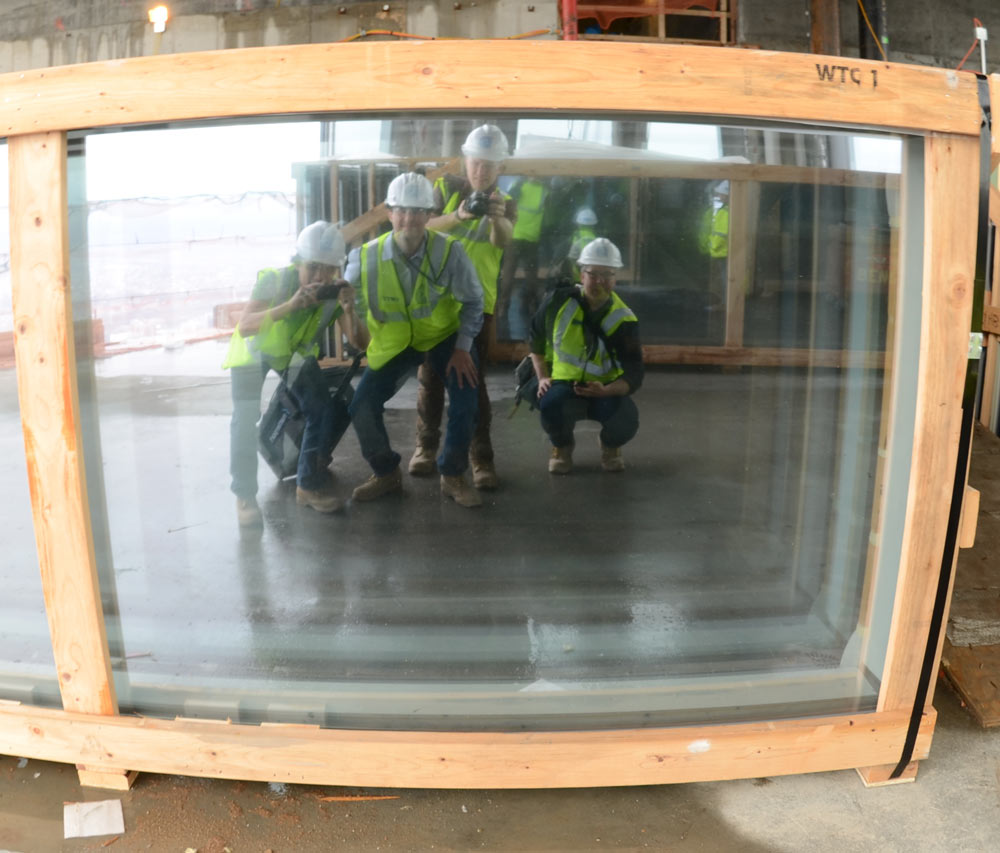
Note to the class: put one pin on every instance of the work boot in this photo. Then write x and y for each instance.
(561, 461)
(460, 491)
(611, 459)
(375, 487)
(317, 500)
(248, 513)
(484, 475)
(422, 463)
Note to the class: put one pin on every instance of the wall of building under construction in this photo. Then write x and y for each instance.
(50, 32)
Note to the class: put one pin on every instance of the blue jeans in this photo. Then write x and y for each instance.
(560, 409)
(322, 425)
(378, 386)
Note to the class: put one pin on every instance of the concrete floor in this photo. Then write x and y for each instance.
(954, 805)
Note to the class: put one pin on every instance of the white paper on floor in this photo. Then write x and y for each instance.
(103, 817)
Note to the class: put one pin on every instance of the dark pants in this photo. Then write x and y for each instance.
(378, 386)
(560, 409)
(322, 423)
(430, 403)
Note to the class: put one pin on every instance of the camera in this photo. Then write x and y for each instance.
(478, 203)
(330, 290)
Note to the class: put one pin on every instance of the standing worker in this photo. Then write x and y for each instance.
(588, 359)
(475, 212)
(713, 237)
(284, 317)
(530, 195)
(423, 303)
(585, 220)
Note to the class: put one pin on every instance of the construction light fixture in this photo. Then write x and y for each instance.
(158, 18)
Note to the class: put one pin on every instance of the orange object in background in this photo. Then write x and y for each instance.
(607, 11)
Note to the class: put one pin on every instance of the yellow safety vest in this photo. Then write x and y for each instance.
(581, 237)
(530, 212)
(474, 235)
(432, 313)
(714, 238)
(569, 352)
(277, 340)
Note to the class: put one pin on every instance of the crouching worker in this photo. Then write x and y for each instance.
(586, 353)
(286, 315)
(421, 299)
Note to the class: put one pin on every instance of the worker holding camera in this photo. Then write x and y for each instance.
(473, 210)
(288, 311)
(586, 353)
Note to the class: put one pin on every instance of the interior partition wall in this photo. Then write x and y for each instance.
(752, 597)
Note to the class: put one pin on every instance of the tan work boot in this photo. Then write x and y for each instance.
(317, 500)
(375, 487)
(460, 491)
(561, 461)
(484, 475)
(248, 513)
(422, 463)
(611, 459)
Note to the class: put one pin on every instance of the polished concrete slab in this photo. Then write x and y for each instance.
(701, 583)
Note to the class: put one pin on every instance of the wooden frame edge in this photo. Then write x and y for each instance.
(495, 76)
(309, 755)
(951, 186)
(47, 390)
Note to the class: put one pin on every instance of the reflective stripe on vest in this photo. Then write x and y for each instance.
(432, 314)
(569, 347)
(474, 235)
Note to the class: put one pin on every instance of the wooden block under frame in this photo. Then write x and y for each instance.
(480, 78)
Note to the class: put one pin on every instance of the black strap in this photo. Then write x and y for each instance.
(595, 327)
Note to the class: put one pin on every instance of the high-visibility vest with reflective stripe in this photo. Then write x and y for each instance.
(277, 340)
(529, 212)
(474, 235)
(432, 313)
(569, 352)
(715, 232)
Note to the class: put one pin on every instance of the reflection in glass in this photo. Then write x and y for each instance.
(726, 574)
(27, 668)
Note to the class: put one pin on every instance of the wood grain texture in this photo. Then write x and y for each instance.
(492, 76)
(994, 84)
(46, 367)
(950, 190)
(459, 759)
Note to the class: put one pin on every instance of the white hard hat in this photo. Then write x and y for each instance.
(486, 142)
(410, 189)
(321, 243)
(601, 253)
(585, 216)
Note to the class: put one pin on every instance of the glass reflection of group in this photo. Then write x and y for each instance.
(423, 296)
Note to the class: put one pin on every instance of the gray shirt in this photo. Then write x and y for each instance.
(459, 275)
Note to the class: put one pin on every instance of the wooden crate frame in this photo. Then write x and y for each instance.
(487, 77)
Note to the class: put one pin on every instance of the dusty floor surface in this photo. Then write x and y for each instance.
(954, 806)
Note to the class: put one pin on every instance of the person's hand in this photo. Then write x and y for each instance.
(543, 386)
(498, 207)
(590, 389)
(462, 212)
(346, 297)
(304, 297)
(465, 368)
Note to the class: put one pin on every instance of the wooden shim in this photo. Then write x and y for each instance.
(114, 779)
(991, 320)
(951, 169)
(974, 673)
(46, 366)
(881, 776)
(493, 76)
(461, 759)
(970, 517)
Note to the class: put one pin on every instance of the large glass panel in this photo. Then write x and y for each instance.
(27, 668)
(728, 573)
